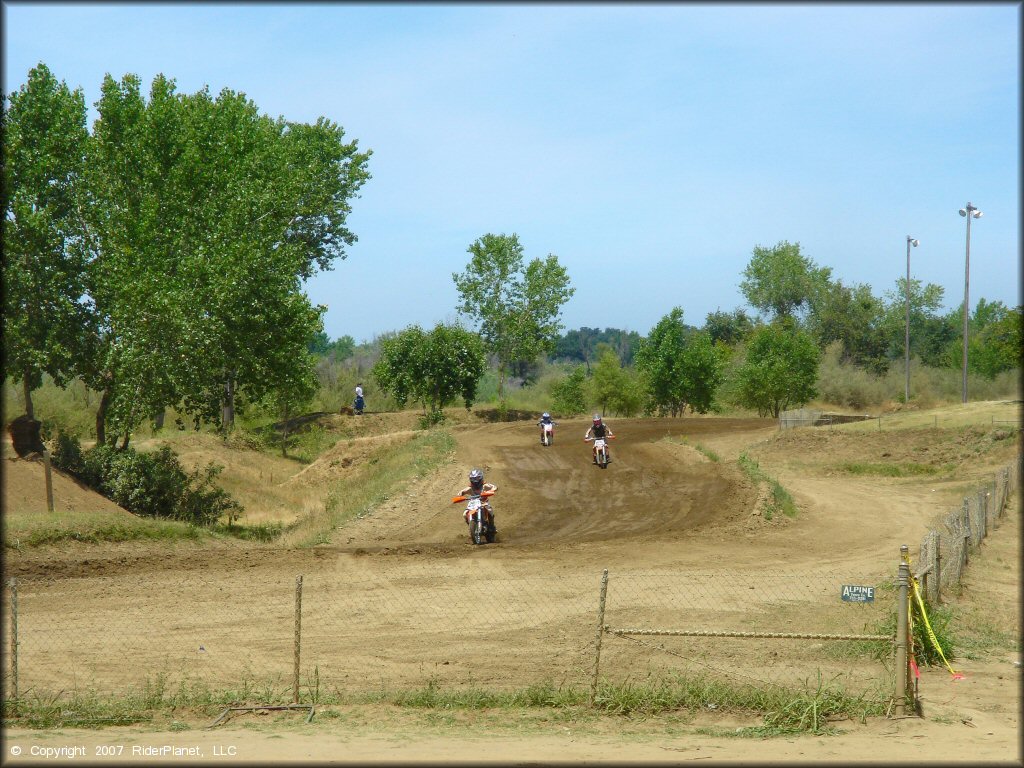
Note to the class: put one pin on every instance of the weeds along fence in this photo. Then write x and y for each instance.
(396, 624)
(946, 547)
(810, 417)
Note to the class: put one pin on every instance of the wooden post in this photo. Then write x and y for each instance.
(967, 530)
(298, 638)
(14, 639)
(937, 555)
(49, 480)
(600, 634)
(902, 622)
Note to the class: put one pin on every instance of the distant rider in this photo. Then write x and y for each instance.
(545, 419)
(599, 430)
(475, 488)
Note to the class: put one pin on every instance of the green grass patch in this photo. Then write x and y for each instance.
(901, 469)
(36, 529)
(784, 710)
(779, 500)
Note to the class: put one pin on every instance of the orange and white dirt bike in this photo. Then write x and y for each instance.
(600, 449)
(479, 516)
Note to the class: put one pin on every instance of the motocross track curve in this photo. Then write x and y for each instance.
(555, 496)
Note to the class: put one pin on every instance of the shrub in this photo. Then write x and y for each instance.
(152, 484)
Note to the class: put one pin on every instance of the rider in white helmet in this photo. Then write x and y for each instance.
(598, 430)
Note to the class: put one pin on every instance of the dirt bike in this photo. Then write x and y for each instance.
(481, 521)
(547, 434)
(600, 450)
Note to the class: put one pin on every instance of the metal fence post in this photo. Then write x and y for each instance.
(298, 638)
(600, 634)
(14, 638)
(902, 622)
(49, 480)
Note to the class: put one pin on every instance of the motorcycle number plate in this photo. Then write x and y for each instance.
(599, 443)
(474, 504)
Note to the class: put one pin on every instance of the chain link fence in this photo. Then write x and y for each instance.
(396, 623)
(945, 548)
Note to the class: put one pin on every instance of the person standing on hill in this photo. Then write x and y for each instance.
(360, 403)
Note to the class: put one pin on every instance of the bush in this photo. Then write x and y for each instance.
(152, 484)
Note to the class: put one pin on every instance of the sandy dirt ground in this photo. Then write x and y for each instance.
(662, 505)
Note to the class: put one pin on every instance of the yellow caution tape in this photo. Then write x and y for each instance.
(931, 634)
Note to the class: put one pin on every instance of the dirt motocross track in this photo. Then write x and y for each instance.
(661, 504)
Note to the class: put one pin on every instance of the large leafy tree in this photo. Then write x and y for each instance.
(516, 307)
(432, 368)
(46, 311)
(780, 369)
(853, 316)
(204, 219)
(781, 281)
(681, 367)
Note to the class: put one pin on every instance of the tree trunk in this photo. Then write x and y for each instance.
(158, 420)
(124, 443)
(228, 410)
(29, 410)
(101, 416)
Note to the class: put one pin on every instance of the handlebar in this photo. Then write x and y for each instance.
(485, 494)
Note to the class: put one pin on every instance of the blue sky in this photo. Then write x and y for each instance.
(649, 147)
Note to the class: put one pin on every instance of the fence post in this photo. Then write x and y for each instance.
(298, 638)
(937, 555)
(967, 530)
(49, 480)
(902, 622)
(600, 634)
(13, 583)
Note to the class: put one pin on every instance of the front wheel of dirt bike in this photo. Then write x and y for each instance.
(602, 460)
(490, 533)
(476, 535)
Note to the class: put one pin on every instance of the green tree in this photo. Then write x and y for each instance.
(567, 396)
(780, 369)
(779, 281)
(681, 368)
(204, 219)
(930, 332)
(432, 368)
(729, 328)
(853, 316)
(45, 317)
(993, 341)
(516, 308)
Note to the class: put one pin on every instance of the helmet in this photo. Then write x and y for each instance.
(546, 415)
(476, 478)
(597, 419)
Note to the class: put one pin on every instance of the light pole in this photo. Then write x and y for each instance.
(971, 213)
(906, 341)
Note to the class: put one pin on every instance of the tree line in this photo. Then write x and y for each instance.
(159, 259)
(766, 362)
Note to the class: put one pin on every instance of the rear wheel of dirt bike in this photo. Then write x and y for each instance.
(475, 534)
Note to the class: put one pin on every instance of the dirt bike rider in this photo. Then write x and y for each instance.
(545, 419)
(597, 431)
(475, 488)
